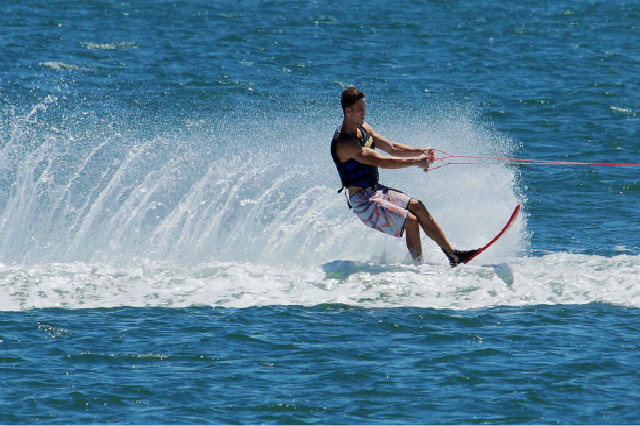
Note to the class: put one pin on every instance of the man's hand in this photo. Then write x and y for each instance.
(426, 159)
(431, 154)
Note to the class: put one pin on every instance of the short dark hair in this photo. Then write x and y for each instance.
(350, 96)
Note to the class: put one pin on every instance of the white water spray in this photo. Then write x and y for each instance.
(97, 212)
(86, 190)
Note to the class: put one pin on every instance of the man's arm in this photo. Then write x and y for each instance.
(396, 149)
(351, 148)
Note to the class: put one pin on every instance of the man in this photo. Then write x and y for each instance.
(353, 149)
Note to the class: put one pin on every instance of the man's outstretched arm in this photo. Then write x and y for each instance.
(397, 149)
(352, 149)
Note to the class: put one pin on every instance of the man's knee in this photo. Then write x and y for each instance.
(416, 204)
(416, 207)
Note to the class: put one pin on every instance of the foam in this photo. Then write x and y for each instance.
(557, 279)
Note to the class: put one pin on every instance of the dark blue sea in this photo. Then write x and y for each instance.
(173, 249)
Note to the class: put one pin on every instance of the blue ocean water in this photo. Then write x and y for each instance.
(173, 249)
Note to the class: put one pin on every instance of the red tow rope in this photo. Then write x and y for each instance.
(447, 159)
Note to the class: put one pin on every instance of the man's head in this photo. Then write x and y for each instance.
(353, 104)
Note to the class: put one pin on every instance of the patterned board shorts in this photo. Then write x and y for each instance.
(382, 208)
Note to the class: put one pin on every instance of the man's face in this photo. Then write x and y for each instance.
(357, 111)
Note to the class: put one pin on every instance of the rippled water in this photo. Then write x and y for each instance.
(326, 364)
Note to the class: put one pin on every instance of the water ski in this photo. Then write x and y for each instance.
(468, 256)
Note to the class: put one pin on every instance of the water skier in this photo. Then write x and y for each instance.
(393, 212)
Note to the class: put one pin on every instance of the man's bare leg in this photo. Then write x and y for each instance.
(412, 235)
(432, 229)
(429, 225)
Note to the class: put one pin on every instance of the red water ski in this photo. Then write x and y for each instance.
(490, 243)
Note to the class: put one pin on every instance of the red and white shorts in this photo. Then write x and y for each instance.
(382, 208)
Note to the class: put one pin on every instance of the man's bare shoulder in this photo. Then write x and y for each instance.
(346, 140)
(347, 146)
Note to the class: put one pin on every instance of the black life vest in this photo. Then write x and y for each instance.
(353, 173)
